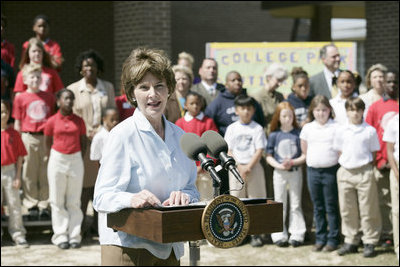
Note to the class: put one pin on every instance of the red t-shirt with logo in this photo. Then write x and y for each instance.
(12, 146)
(66, 132)
(33, 110)
(51, 81)
(378, 115)
(124, 107)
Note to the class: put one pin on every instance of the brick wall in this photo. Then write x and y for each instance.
(382, 44)
(76, 26)
(195, 23)
(140, 23)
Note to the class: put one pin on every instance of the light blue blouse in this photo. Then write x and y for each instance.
(136, 158)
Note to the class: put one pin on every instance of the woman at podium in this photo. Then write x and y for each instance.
(142, 163)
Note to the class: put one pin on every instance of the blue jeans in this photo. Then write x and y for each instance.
(324, 195)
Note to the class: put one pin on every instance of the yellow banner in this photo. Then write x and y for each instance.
(252, 59)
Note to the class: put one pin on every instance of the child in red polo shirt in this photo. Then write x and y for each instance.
(31, 109)
(65, 138)
(12, 153)
(194, 121)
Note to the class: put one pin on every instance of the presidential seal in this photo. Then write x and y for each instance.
(225, 221)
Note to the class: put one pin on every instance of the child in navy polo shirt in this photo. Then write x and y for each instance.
(299, 98)
(65, 136)
(31, 109)
(194, 121)
(284, 155)
(12, 153)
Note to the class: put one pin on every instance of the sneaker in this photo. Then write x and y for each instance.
(45, 215)
(75, 245)
(369, 251)
(256, 241)
(281, 243)
(347, 249)
(21, 242)
(317, 247)
(295, 243)
(63, 245)
(33, 214)
(329, 248)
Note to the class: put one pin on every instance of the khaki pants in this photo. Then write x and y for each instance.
(358, 201)
(15, 225)
(121, 256)
(394, 191)
(254, 184)
(34, 172)
(65, 172)
(385, 205)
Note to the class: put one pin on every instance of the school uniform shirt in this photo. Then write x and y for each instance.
(300, 106)
(12, 146)
(51, 81)
(136, 158)
(125, 108)
(66, 132)
(337, 104)
(357, 143)
(244, 139)
(222, 111)
(284, 145)
(197, 125)
(319, 138)
(96, 148)
(391, 135)
(378, 116)
(8, 52)
(33, 110)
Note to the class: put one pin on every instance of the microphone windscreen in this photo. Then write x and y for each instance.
(192, 146)
(215, 143)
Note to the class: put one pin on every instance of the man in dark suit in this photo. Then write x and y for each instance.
(322, 83)
(208, 86)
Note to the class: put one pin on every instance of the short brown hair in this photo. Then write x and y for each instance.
(354, 103)
(143, 60)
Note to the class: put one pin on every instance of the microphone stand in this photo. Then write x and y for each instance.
(194, 246)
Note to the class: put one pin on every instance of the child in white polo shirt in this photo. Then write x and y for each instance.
(322, 164)
(357, 143)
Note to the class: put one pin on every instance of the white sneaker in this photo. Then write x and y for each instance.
(21, 242)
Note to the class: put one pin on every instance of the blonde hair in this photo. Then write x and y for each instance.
(141, 61)
(29, 68)
(371, 69)
(187, 56)
(185, 70)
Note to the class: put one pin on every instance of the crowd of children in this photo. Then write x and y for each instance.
(346, 148)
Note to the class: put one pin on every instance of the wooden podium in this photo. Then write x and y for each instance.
(184, 223)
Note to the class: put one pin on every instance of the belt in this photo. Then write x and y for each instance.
(34, 133)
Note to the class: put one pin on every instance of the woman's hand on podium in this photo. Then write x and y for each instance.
(144, 199)
(177, 198)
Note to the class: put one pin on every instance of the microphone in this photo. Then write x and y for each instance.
(195, 149)
(218, 148)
